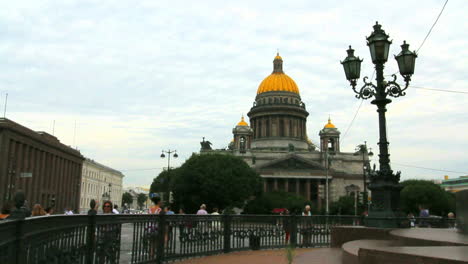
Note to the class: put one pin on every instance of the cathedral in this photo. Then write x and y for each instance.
(276, 145)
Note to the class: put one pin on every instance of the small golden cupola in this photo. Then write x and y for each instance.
(242, 122)
(278, 80)
(329, 124)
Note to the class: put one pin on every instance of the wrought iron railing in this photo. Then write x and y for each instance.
(102, 239)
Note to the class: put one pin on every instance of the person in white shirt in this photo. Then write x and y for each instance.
(68, 211)
(306, 211)
(116, 209)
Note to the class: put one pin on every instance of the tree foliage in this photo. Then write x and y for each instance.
(345, 206)
(127, 198)
(141, 199)
(265, 203)
(213, 179)
(162, 183)
(428, 194)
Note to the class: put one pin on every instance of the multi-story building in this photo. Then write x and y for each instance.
(100, 183)
(276, 144)
(47, 171)
(456, 184)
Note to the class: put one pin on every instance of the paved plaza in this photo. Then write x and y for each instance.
(277, 256)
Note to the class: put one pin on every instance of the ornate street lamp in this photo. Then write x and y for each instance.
(384, 184)
(169, 152)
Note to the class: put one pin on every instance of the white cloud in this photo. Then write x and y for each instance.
(144, 76)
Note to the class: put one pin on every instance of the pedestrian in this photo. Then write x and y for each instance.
(116, 209)
(423, 213)
(38, 210)
(49, 211)
(156, 208)
(451, 220)
(286, 224)
(68, 211)
(306, 229)
(216, 224)
(93, 207)
(107, 207)
(151, 232)
(108, 243)
(6, 210)
(412, 220)
(167, 210)
(202, 210)
(306, 211)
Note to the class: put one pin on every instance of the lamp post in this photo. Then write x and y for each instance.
(384, 184)
(328, 158)
(174, 154)
(362, 149)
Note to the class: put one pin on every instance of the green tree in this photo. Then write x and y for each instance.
(215, 180)
(345, 206)
(141, 199)
(265, 203)
(162, 183)
(127, 198)
(428, 194)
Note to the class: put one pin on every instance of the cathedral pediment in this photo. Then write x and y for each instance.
(291, 162)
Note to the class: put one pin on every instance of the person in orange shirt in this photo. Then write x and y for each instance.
(6, 210)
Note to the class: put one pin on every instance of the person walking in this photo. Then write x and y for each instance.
(116, 209)
(307, 211)
(6, 210)
(93, 207)
(306, 229)
(38, 210)
(202, 210)
(423, 213)
(108, 242)
(49, 211)
(68, 211)
(286, 224)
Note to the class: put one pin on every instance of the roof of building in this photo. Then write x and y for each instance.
(39, 136)
(97, 164)
(329, 124)
(242, 122)
(278, 80)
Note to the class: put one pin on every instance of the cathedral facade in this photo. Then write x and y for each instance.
(276, 145)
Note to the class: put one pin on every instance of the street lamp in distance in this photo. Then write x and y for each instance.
(361, 149)
(175, 156)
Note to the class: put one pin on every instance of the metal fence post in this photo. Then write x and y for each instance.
(160, 240)
(90, 239)
(293, 230)
(20, 249)
(227, 233)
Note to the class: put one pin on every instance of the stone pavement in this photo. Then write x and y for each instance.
(302, 256)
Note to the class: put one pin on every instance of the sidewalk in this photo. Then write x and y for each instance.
(277, 256)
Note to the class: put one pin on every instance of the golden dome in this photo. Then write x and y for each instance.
(278, 57)
(278, 80)
(242, 122)
(329, 125)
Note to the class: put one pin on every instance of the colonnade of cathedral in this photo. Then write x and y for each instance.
(307, 188)
(279, 126)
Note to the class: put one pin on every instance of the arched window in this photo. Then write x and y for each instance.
(242, 144)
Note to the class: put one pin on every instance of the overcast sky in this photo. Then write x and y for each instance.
(138, 77)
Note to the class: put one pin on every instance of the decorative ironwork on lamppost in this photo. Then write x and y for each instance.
(169, 152)
(384, 184)
(362, 150)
